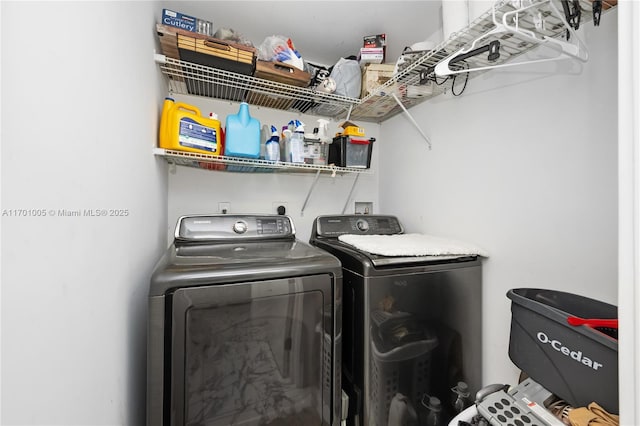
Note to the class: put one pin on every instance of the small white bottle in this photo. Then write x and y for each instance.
(272, 148)
(297, 144)
(461, 392)
(285, 148)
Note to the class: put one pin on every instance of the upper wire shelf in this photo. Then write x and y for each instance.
(414, 83)
(420, 71)
(192, 79)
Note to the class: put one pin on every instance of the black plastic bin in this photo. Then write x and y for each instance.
(578, 364)
(347, 151)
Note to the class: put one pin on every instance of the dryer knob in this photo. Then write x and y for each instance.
(362, 225)
(240, 227)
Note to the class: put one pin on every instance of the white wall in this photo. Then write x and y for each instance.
(195, 191)
(629, 211)
(524, 164)
(80, 103)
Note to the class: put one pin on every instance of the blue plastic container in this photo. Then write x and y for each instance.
(242, 134)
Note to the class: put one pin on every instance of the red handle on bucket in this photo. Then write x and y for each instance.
(593, 322)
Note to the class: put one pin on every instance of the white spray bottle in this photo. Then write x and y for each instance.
(297, 143)
(272, 148)
(323, 131)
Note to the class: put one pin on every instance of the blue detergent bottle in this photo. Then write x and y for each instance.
(242, 134)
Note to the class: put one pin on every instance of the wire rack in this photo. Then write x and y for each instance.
(193, 79)
(414, 82)
(419, 72)
(248, 165)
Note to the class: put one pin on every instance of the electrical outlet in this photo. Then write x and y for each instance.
(276, 205)
(224, 208)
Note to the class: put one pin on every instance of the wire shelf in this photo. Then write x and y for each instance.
(414, 83)
(419, 72)
(192, 79)
(248, 165)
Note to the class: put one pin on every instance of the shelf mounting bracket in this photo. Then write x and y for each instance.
(413, 121)
(353, 186)
(306, 200)
(159, 58)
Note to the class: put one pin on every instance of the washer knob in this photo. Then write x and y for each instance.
(362, 225)
(240, 227)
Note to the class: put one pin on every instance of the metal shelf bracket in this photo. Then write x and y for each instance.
(413, 121)
(353, 186)
(306, 200)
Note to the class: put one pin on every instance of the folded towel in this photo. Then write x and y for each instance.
(410, 245)
(592, 415)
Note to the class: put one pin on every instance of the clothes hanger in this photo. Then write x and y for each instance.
(575, 49)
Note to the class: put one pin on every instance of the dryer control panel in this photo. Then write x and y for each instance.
(334, 226)
(233, 227)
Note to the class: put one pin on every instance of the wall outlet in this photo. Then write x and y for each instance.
(276, 204)
(224, 207)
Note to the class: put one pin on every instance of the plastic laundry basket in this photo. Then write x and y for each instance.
(405, 369)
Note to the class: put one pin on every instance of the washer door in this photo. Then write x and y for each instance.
(253, 353)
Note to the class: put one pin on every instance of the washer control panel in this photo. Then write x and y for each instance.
(334, 226)
(233, 227)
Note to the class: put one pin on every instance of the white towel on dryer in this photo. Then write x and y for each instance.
(411, 245)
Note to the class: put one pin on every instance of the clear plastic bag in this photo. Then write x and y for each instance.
(280, 48)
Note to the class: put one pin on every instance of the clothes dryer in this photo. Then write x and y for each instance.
(244, 326)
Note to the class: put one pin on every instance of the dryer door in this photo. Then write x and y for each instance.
(254, 353)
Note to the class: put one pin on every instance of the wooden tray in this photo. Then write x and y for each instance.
(282, 73)
(204, 50)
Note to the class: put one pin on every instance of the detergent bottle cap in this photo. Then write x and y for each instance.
(462, 389)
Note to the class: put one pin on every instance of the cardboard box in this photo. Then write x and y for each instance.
(378, 42)
(186, 22)
(371, 55)
(179, 20)
(374, 76)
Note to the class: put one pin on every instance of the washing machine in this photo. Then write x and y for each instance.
(411, 323)
(244, 326)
